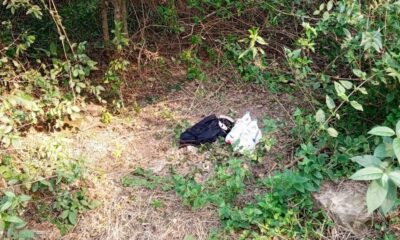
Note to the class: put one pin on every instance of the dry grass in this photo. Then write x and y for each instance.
(146, 140)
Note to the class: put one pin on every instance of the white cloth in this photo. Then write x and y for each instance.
(245, 135)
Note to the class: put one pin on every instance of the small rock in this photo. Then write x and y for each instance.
(93, 109)
(191, 149)
(346, 204)
(158, 166)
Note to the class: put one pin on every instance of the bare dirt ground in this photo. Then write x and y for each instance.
(146, 139)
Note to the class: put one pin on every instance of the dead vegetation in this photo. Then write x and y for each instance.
(147, 139)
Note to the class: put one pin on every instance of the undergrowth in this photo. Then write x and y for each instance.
(341, 58)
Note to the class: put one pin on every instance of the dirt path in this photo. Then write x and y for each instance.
(146, 139)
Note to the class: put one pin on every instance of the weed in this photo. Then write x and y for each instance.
(156, 204)
(106, 117)
(179, 129)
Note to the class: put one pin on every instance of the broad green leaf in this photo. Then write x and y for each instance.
(254, 51)
(329, 5)
(393, 73)
(384, 179)
(389, 150)
(395, 177)
(245, 52)
(320, 116)
(371, 40)
(398, 129)
(368, 173)
(382, 131)
(10, 194)
(330, 103)
(356, 105)
(362, 90)
(367, 161)
(396, 148)
(340, 90)
(5, 206)
(347, 33)
(346, 84)
(64, 214)
(332, 132)
(261, 41)
(24, 198)
(390, 199)
(376, 195)
(380, 151)
(26, 234)
(359, 73)
(72, 217)
(325, 16)
(13, 219)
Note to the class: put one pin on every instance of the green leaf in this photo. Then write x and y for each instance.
(340, 90)
(368, 173)
(398, 129)
(13, 219)
(329, 6)
(261, 41)
(396, 148)
(380, 151)
(356, 105)
(390, 199)
(5, 206)
(362, 90)
(64, 214)
(367, 161)
(10, 194)
(72, 217)
(24, 198)
(384, 179)
(320, 116)
(395, 177)
(346, 84)
(332, 132)
(382, 131)
(254, 51)
(359, 73)
(371, 39)
(245, 52)
(26, 234)
(330, 103)
(376, 195)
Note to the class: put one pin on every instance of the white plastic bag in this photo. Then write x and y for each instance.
(245, 135)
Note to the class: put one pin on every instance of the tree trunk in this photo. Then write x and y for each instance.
(117, 10)
(121, 14)
(104, 21)
(124, 16)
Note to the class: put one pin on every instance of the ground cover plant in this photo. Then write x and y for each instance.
(96, 93)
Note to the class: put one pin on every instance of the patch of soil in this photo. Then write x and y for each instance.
(147, 139)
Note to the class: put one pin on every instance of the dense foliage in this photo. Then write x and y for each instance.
(342, 57)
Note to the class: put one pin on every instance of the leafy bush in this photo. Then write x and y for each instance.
(381, 169)
(40, 92)
(47, 175)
